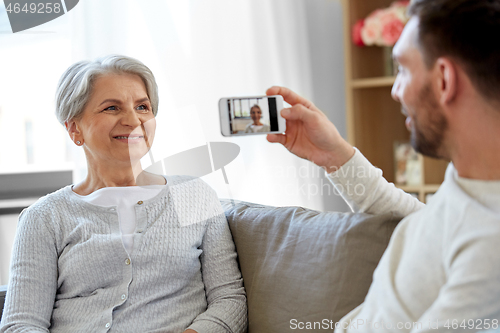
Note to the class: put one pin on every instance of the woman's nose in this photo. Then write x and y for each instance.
(131, 118)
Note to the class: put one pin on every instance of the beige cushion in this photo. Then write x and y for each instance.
(302, 264)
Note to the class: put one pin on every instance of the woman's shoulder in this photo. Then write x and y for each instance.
(41, 214)
(50, 202)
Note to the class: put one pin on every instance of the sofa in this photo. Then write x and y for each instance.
(3, 291)
(303, 269)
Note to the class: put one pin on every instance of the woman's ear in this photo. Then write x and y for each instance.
(74, 132)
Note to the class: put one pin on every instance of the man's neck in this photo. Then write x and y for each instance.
(476, 151)
(485, 167)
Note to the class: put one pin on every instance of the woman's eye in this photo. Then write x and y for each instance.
(110, 108)
(142, 108)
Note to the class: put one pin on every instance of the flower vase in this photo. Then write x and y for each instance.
(390, 66)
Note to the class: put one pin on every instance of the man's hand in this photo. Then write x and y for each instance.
(309, 134)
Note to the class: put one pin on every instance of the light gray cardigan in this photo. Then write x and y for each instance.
(71, 273)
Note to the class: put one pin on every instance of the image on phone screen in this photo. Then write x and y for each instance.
(252, 115)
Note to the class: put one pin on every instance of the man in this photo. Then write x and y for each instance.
(441, 270)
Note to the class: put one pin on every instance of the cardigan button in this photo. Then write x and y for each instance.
(108, 325)
(140, 202)
(127, 261)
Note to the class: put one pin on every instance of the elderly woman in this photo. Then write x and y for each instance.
(256, 126)
(124, 250)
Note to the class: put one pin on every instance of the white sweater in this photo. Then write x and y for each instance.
(441, 270)
(70, 271)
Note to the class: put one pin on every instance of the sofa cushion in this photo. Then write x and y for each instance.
(301, 265)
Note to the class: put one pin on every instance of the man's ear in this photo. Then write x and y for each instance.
(73, 130)
(447, 80)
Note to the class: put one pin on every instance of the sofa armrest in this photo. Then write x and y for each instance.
(3, 292)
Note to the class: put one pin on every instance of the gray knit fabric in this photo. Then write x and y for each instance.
(71, 273)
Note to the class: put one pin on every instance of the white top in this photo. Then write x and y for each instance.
(251, 128)
(256, 128)
(124, 199)
(440, 271)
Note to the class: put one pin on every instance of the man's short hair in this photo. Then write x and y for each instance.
(467, 31)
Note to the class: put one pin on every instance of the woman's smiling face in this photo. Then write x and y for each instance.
(117, 125)
(255, 114)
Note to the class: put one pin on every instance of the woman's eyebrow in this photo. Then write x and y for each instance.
(110, 100)
(145, 99)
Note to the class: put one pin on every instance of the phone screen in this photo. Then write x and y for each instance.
(252, 115)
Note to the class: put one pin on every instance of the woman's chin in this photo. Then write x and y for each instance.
(137, 156)
(132, 156)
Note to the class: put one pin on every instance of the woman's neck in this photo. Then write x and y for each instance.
(116, 176)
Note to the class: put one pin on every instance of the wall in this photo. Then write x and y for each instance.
(325, 30)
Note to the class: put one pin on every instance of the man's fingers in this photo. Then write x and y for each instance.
(273, 91)
(278, 138)
(289, 96)
(300, 112)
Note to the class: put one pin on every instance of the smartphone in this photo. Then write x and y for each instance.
(251, 115)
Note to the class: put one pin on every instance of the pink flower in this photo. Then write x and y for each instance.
(376, 13)
(372, 30)
(391, 32)
(399, 11)
(388, 15)
(392, 21)
(382, 27)
(356, 33)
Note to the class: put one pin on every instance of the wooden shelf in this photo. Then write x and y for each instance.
(385, 81)
(420, 190)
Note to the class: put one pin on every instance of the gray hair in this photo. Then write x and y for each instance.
(76, 84)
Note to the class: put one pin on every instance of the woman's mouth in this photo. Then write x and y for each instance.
(129, 138)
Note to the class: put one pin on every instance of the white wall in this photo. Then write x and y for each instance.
(325, 31)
